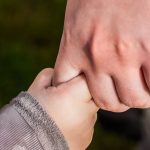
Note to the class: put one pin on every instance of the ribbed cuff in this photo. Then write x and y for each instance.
(46, 129)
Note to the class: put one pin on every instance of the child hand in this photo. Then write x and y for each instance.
(70, 105)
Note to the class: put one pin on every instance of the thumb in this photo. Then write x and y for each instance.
(64, 69)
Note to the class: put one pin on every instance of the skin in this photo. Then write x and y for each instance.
(70, 105)
(109, 42)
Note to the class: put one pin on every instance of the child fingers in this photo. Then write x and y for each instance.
(43, 79)
(76, 89)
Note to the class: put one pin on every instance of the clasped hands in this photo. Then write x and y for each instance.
(70, 105)
(108, 42)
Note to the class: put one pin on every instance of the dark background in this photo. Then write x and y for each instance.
(30, 32)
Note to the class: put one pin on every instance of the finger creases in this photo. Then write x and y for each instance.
(146, 73)
(132, 88)
(104, 93)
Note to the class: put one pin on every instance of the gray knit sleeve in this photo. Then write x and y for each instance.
(24, 125)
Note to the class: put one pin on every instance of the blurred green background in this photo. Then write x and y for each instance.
(30, 32)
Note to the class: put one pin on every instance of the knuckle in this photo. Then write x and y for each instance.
(109, 106)
(135, 102)
(139, 103)
(107, 103)
(44, 76)
(124, 49)
(45, 72)
(121, 48)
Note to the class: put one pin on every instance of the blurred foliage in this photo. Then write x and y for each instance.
(30, 34)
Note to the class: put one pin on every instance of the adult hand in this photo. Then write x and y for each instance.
(108, 41)
(69, 105)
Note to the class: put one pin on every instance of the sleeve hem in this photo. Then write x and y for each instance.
(44, 126)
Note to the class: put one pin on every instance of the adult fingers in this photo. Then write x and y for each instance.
(132, 89)
(104, 93)
(146, 72)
